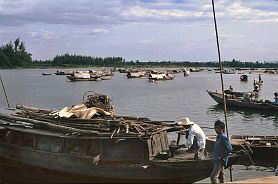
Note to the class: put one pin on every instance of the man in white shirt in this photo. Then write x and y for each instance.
(195, 137)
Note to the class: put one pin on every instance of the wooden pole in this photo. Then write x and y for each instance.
(5, 92)
(221, 76)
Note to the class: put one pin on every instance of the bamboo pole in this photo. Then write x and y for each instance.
(221, 76)
(4, 91)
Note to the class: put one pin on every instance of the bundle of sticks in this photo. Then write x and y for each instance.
(116, 126)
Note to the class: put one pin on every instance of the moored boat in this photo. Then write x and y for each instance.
(138, 74)
(160, 77)
(83, 76)
(46, 73)
(110, 148)
(262, 148)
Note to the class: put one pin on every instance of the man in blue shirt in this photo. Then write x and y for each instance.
(222, 148)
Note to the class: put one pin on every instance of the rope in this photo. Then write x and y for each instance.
(221, 76)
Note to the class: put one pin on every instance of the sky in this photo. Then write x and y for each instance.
(145, 30)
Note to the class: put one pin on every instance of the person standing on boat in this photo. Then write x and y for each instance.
(276, 98)
(195, 138)
(222, 149)
(260, 78)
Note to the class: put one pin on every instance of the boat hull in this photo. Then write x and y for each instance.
(82, 79)
(260, 153)
(244, 104)
(188, 171)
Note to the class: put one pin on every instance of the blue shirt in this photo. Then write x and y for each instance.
(222, 148)
(276, 100)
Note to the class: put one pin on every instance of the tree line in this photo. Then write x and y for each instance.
(78, 60)
(14, 54)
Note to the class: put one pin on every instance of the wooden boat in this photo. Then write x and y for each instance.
(235, 93)
(244, 78)
(231, 71)
(72, 78)
(105, 78)
(131, 75)
(186, 73)
(123, 148)
(83, 76)
(63, 72)
(46, 73)
(243, 102)
(263, 148)
(160, 77)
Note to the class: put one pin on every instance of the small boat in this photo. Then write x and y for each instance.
(244, 102)
(244, 78)
(105, 78)
(257, 82)
(63, 72)
(139, 74)
(195, 69)
(46, 73)
(262, 148)
(186, 73)
(231, 71)
(160, 77)
(118, 148)
(72, 78)
(83, 76)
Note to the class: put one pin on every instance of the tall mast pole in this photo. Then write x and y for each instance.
(221, 76)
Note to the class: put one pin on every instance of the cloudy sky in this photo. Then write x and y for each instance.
(143, 29)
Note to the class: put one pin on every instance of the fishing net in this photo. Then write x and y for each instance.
(93, 99)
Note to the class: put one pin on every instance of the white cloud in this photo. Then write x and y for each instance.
(137, 11)
(96, 31)
(232, 35)
(129, 22)
(43, 35)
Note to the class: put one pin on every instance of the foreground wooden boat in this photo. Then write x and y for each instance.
(128, 149)
(234, 101)
(263, 148)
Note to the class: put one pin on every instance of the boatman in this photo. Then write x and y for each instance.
(195, 138)
(222, 149)
(275, 98)
(260, 78)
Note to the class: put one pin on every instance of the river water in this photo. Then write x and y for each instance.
(164, 100)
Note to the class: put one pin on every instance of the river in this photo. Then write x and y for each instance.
(164, 100)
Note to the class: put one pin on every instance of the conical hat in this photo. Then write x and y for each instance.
(185, 121)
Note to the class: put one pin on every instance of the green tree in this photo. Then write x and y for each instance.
(16, 43)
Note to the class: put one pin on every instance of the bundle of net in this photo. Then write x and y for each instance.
(93, 99)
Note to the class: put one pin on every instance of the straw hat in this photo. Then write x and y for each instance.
(185, 121)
